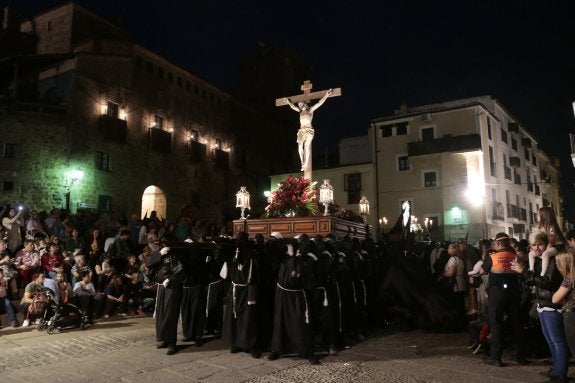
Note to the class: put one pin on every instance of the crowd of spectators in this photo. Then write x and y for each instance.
(94, 259)
(99, 262)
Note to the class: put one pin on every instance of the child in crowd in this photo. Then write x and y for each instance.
(548, 225)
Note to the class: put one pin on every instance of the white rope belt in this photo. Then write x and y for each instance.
(234, 297)
(325, 301)
(304, 298)
(208, 296)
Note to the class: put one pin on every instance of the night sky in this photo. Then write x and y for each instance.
(417, 52)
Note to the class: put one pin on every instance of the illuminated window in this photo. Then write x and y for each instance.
(103, 161)
(195, 135)
(158, 122)
(218, 144)
(112, 109)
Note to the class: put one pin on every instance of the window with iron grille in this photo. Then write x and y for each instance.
(7, 186)
(9, 150)
(403, 163)
(430, 179)
(103, 161)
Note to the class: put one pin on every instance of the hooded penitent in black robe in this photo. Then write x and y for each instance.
(193, 307)
(240, 320)
(292, 330)
(217, 286)
(168, 298)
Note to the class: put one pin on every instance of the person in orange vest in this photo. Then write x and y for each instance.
(504, 297)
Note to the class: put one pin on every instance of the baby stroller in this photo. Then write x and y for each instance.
(58, 317)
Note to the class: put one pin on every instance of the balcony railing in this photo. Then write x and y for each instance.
(513, 211)
(445, 144)
(221, 159)
(197, 151)
(113, 129)
(160, 140)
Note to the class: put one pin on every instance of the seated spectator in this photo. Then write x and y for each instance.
(27, 262)
(79, 267)
(7, 266)
(85, 292)
(133, 295)
(55, 239)
(35, 287)
(65, 291)
(153, 238)
(132, 267)
(5, 302)
(104, 272)
(52, 262)
(94, 247)
(114, 296)
(74, 244)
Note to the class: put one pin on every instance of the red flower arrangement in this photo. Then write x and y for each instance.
(296, 196)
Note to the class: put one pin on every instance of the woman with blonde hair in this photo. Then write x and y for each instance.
(548, 224)
(566, 294)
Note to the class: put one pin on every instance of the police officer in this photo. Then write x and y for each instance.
(504, 297)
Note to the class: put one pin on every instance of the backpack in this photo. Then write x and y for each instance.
(38, 305)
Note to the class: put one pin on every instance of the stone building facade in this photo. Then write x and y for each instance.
(89, 119)
(469, 166)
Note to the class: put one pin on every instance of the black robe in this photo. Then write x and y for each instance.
(193, 306)
(240, 320)
(168, 298)
(292, 330)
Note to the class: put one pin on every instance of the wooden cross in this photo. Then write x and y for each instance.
(307, 95)
(306, 115)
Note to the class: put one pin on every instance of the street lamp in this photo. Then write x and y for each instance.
(364, 208)
(326, 195)
(243, 200)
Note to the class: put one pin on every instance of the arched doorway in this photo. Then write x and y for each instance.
(153, 199)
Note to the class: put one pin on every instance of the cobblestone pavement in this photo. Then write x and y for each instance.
(124, 351)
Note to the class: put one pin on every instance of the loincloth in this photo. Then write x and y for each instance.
(304, 134)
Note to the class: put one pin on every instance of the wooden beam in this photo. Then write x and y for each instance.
(307, 97)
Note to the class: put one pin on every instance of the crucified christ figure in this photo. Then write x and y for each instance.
(305, 132)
